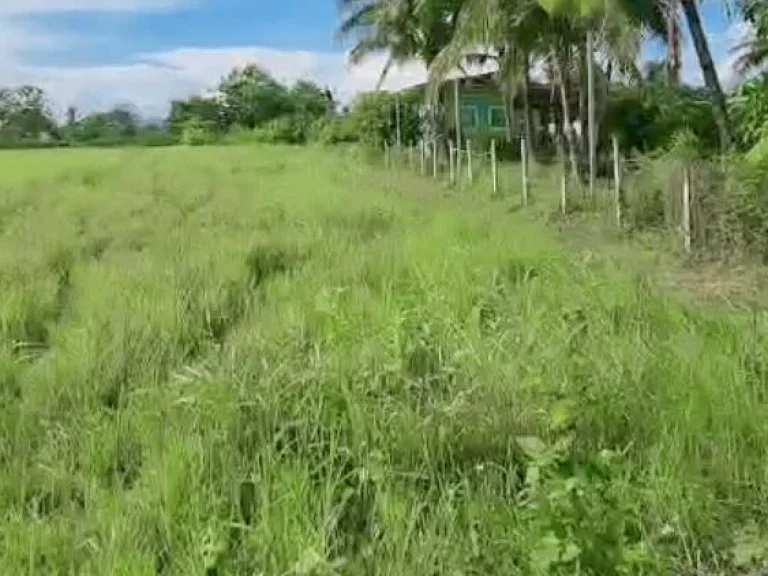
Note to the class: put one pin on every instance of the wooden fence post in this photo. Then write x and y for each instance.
(687, 208)
(524, 162)
(470, 175)
(617, 181)
(423, 157)
(410, 156)
(458, 163)
(451, 167)
(563, 175)
(494, 169)
(434, 158)
(397, 120)
(386, 155)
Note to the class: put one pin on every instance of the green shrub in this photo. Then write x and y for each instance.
(373, 117)
(155, 138)
(283, 130)
(334, 130)
(646, 119)
(750, 112)
(196, 132)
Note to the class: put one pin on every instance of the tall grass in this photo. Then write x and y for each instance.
(278, 361)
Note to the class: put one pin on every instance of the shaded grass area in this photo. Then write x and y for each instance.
(275, 361)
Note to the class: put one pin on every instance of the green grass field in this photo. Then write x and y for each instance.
(280, 361)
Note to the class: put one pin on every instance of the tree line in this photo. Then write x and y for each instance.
(247, 105)
(590, 48)
(587, 51)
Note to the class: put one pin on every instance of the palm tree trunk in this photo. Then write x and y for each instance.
(511, 81)
(505, 101)
(674, 47)
(527, 106)
(591, 128)
(567, 125)
(509, 108)
(708, 70)
(582, 111)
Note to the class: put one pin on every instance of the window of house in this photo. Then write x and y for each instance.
(496, 117)
(469, 117)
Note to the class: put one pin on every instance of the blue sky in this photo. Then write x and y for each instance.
(287, 25)
(95, 53)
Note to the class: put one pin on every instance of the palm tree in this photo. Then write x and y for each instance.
(404, 30)
(506, 32)
(708, 70)
(555, 37)
(652, 13)
(381, 26)
(753, 50)
(632, 16)
(674, 44)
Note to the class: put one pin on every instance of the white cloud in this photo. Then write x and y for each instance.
(25, 7)
(155, 79)
(152, 80)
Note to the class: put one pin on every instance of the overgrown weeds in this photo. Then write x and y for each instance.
(312, 372)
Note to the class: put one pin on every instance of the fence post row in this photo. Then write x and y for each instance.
(455, 168)
(455, 175)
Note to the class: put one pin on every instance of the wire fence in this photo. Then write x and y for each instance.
(468, 165)
(708, 205)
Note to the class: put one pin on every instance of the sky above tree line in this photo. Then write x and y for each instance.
(94, 54)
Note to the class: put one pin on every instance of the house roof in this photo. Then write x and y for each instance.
(537, 91)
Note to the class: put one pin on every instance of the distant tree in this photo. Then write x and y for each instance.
(205, 111)
(374, 118)
(311, 100)
(24, 114)
(251, 97)
(121, 124)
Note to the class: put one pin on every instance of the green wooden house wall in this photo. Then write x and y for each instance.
(482, 112)
(482, 106)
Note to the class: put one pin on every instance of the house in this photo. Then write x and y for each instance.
(481, 107)
(481, 111)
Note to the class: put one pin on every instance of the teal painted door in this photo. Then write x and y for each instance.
(482, 113)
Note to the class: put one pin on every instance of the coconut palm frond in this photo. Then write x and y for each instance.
(384, 72)
(360, 19)
(752, 56)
